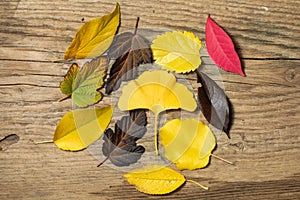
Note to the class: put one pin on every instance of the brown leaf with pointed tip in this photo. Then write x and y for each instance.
(129, 50)
(120, 147)
(213, 103)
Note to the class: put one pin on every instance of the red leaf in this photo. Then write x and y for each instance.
(221, 48)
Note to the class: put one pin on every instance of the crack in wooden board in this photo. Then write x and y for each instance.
(8, 141)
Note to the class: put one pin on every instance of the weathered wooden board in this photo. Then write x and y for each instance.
(265, 132)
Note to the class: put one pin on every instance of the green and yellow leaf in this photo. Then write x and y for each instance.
(82, 85)
(67, 85)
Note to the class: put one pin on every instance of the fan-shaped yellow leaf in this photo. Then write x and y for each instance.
(95, 36)
(80, 128)
(187, 143)
(157, 91)
(155, 179)
(177, 51)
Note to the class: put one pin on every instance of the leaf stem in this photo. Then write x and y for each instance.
(136, 25)
(64, 98)
(103, 162)
(44, 142)
(203, 187)
(231, 163)
(155, 134)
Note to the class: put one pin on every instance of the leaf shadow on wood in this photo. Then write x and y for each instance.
(140, 195)
(231, 116)
(238, 49)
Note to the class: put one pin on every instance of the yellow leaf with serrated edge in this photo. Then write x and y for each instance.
(157, 91)
(187, 143)
(94, 37)
(80, 128)
(177, 51)
(155, 179)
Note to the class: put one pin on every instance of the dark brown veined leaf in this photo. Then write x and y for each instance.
(129, 50)
(213, 103)
(120, 147)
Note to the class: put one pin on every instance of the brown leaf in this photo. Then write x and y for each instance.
(213, 103)
(129, 50)
(120, 146)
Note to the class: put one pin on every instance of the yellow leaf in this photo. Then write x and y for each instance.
(157, 91)
(177, 51)
(155, 179)
(80, 128)
(94, 37)
(187, 143)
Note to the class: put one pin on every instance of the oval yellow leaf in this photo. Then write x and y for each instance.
(94, 37)
(177, 51)
(155, 179)
(187, 143)
(80, 128)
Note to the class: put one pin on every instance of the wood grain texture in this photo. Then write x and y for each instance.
(265, 131)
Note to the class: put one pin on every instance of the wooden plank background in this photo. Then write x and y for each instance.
(265, 133)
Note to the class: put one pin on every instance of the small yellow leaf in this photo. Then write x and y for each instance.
(80, 128)
(94, 37)
(155, 179)
(177, 51)
(187, 143)
(157, 91)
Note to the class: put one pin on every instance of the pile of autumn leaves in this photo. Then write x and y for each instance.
(187, 143)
